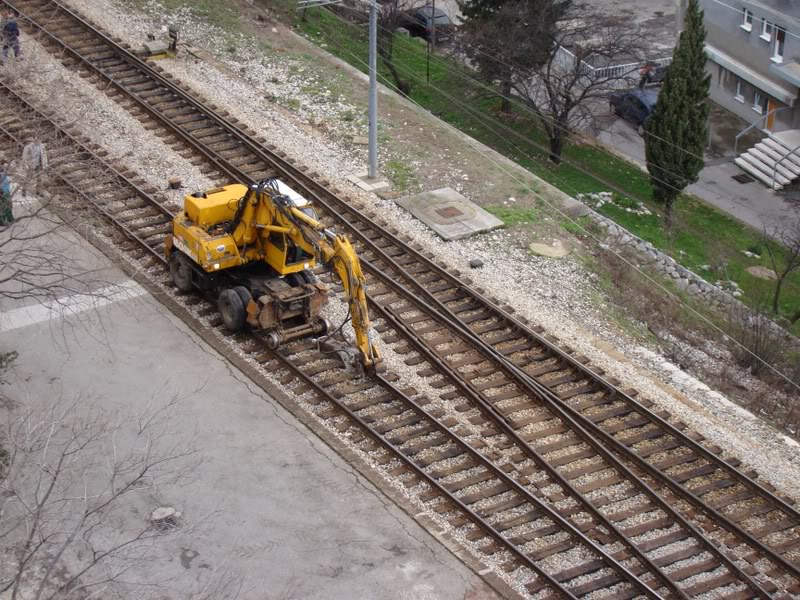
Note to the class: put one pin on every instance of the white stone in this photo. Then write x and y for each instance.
(790, 442)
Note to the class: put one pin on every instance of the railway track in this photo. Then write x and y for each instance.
(449, 466)
(687, 519)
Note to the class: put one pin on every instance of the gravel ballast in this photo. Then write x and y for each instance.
(551, 293)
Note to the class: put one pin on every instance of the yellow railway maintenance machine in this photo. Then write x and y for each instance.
(257, 247)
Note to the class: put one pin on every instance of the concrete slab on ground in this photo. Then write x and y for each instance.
(278, 505)
(367, 184)
(449, 213)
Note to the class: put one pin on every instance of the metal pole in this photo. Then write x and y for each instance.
(372, 172)
(428, 62)
(433, 27)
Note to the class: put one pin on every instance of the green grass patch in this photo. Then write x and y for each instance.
(578, 226)
(401, 175)
(512, 215)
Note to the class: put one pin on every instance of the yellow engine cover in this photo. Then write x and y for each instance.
(219, 205)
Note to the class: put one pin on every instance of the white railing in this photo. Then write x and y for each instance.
(622, 70)
(566, 59)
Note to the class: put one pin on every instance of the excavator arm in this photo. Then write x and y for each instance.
(340, 254)
(336, 251)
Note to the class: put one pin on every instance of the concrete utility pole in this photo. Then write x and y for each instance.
(372, 171)
(433, 27)
(680, 11)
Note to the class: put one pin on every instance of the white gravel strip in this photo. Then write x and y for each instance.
(80, 104)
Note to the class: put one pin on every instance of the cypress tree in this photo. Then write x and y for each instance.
(676, 133)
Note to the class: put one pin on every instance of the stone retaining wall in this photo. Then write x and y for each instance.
(695, 286)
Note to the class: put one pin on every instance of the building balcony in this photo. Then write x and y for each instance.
(785, 95)
(788, 71)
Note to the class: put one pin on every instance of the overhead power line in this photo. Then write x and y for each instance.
(589, 234)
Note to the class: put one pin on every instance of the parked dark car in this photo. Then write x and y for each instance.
(420, 22)
(635, 106)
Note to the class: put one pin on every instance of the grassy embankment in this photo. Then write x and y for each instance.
(705, 237)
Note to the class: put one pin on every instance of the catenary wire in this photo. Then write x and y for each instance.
(729, 251)
(596, 239)
(580, 134)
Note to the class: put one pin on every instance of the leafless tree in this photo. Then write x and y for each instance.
(570, 89)
(761, 343)
(391, 17)
(785, 259)
(39, 257)
(503, 39)
(73, 476)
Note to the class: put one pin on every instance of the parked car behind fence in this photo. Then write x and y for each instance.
(635, 106)
(420, 22)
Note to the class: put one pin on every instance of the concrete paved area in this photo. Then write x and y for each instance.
(752, 203)
(655, 17)
(289, 513)
(449, 213)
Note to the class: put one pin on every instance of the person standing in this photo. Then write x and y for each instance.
(10, 35)
(6, 212)
(34, 158)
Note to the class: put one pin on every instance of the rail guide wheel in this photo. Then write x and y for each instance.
(273, 340)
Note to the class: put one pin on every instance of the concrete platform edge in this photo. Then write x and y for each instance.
(430, 526)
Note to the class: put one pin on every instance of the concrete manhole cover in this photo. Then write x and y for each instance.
(449, 212)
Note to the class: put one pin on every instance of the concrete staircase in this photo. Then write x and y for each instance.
(761, 159)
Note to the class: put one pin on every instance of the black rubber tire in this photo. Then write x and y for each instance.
(181, 271)
(232, 310)
(244, 295)
(294, 279)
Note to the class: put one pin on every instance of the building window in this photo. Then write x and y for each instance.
(739, 95)
(757, 103)
(747, 19)
(766, 30)
(779, 45)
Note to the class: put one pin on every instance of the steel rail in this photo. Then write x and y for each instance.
(585, 429)
(469, 390)
(475, 455)
(319, 193)
(451, 436)
(5, 90)
(292, 172)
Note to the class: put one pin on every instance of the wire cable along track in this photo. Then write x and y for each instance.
(138, 221)
(567, 482)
